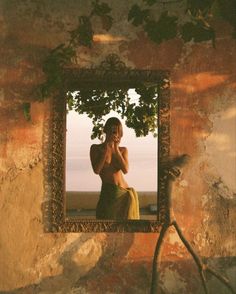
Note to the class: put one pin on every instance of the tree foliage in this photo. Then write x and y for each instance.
(140, 115)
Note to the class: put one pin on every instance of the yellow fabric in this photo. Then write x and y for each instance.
(117, 203)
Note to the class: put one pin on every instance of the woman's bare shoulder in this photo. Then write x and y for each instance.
(96, 147)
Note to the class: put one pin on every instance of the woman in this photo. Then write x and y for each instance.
(110, 162)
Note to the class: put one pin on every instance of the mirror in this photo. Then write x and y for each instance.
(74, 190)
(82, 184)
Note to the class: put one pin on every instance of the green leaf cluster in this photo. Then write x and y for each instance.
(102, 10)
(96, 103)
(160, 30)
(64, 54)
(198, 32)
(137, 15)
(143, 117)
(163, 29)
(199, 7)
(83, 34)
(53, 66)
(197, 28)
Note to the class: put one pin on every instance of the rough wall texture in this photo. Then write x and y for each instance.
(203, 124)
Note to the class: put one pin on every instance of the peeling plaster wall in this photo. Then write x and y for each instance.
(203, 122)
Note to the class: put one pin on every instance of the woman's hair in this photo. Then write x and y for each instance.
(113, 121)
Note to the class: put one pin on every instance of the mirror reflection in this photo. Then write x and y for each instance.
(111, 156)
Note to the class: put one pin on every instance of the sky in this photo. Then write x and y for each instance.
(142, 152)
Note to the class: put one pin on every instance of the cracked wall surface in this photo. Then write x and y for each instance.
(203, 122)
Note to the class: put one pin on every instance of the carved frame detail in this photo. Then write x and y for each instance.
(111, 73)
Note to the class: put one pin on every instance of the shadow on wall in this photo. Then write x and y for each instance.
(115, 273)
(75, 263)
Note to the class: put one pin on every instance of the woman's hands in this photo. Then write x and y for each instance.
(120, 153)
(112, 143)
(116, 143)
(99, 154)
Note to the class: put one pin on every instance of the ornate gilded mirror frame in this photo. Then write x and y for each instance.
(112, 73)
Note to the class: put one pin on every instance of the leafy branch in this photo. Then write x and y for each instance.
(140, 115)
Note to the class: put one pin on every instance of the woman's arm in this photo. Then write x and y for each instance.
(98, 158)
(122, 158)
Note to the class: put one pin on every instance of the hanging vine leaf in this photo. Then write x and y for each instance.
(70, 102)
(198, 29)
(198, 32)
(199, 7)
(137, 15)
(83, 34)
(102, 10)
(142, 117)
(163, 29)
(187, 31)
(59, 57)
(97, 131)
(26, 110)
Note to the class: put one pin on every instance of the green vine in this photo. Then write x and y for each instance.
(65, 54)
(165, 26)
(169, 24)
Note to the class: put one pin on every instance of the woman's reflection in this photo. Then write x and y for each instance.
(117, 200)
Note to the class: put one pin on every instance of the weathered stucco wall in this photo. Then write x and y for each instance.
(203, 122)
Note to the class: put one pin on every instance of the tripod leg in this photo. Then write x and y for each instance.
(155, 276)
(194, 255)
(221, 278)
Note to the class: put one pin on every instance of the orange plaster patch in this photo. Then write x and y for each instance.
(199, 82)
(233, 86)
(143, 246)
(11, 76)
(147, 54)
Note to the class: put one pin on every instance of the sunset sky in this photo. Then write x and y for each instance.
(142, 174)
